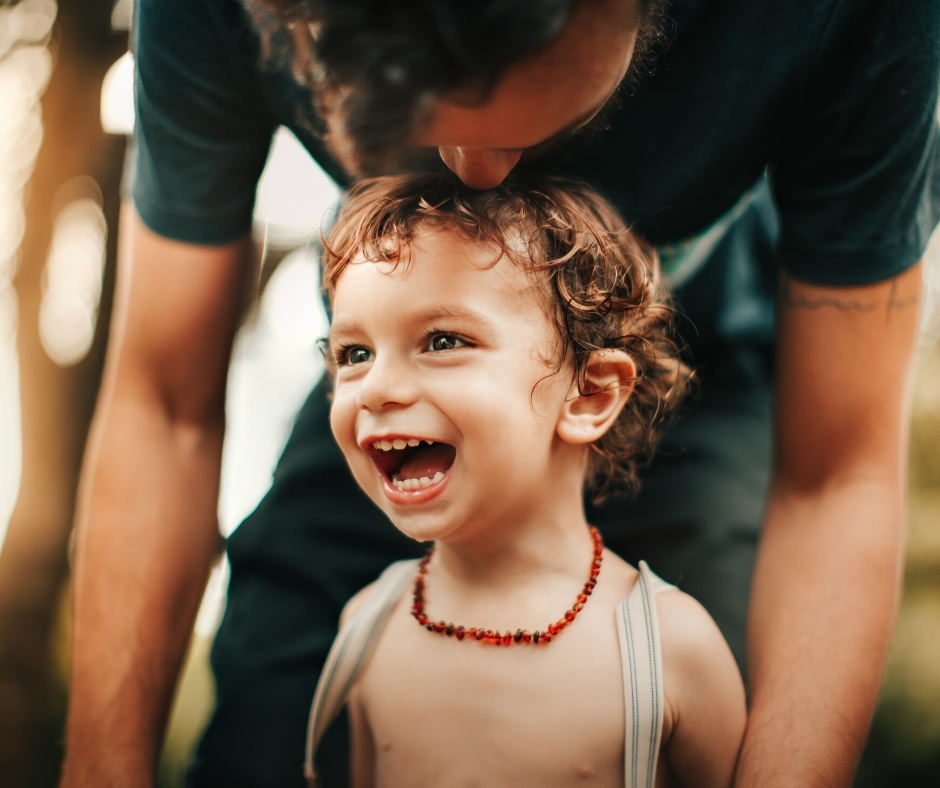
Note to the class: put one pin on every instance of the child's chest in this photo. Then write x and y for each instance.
(445, 712)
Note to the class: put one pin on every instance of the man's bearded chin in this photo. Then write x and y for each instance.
(393, 159)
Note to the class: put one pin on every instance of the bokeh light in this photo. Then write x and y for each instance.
(294, 193)
(117, 97)
(25, 68)
(72, 277)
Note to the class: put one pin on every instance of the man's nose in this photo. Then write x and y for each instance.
(480, 168)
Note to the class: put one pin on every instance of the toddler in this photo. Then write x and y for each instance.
(493, 353)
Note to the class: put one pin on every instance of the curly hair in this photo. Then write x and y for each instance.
(604, 286)
(379, 61)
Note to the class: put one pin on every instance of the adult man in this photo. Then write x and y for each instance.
(836, 98)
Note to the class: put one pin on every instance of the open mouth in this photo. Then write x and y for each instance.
(412, 463)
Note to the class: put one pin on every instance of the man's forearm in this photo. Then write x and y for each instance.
(147, 529)
(146, 536)
(823, 603)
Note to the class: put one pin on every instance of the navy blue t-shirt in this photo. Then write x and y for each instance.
(798, 133)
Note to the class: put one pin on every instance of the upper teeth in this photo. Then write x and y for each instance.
(398, 443)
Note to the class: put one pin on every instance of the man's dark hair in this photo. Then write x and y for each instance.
(383, 59)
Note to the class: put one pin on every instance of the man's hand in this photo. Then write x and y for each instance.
(827, 579)
(147, 529)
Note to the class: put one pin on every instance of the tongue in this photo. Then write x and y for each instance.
(427, 461)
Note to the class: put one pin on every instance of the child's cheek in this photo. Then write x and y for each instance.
(343, 418)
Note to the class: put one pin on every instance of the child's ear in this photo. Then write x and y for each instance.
(606, 385)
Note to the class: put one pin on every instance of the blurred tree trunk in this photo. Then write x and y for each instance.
(56, 403)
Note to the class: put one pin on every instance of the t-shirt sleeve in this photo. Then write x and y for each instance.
(203, 132)
(857, 179)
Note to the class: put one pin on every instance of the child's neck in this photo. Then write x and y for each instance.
(553, 538)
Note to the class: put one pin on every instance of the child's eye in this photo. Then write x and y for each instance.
(446, 342)
(355, 355)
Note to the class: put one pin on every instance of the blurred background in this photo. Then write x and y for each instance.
(66, 111)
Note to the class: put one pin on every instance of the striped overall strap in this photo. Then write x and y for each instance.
(641, 660)
(349, 655)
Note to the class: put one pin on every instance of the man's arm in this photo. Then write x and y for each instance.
(147, 529)
(827, 579)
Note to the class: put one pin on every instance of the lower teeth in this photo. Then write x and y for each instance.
(416, 484)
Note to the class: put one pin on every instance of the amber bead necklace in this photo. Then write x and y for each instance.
(506, 638)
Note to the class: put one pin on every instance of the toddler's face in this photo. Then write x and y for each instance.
(446, 399)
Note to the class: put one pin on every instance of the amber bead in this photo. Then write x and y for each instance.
(497, 638)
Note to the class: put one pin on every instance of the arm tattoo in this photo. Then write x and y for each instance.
(894, 304)
(802, 302)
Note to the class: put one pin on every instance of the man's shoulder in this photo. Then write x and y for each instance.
(198, 29)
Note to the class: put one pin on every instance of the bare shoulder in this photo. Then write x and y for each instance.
(621, 575)
(705, 703)
(688, 633)
(356, 603)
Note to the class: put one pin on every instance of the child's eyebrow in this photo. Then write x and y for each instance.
(342, 329)
(431, 315)
(453, 312)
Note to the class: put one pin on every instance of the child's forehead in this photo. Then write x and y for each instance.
(447, 252)
(442, 266)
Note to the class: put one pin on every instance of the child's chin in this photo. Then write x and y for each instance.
(430, 530)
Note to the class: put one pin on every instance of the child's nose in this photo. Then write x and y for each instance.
(387, 385)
